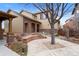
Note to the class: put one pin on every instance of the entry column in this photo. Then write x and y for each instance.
(35, 27)
(10, 25)
(29, 27)
(0, 26)
(10, 35)
(1, 34)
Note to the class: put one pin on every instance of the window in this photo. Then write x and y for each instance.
(78, 25)
(77, 11)
(42, 16)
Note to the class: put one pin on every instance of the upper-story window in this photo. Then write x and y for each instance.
(42, 16)
(35, 17)
(78, 26)
(77, 11)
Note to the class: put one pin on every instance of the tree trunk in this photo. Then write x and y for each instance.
(52, 34)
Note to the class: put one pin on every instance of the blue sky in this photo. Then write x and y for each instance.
(28, 7)
(17, 7)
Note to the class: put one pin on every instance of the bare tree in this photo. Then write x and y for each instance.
(54, 12)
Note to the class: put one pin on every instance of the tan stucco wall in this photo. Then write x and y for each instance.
(45, 24)
(27, 14)
(6, 25)
(38, 16)
(17, 23)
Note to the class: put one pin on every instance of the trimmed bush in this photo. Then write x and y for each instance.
(61, 32)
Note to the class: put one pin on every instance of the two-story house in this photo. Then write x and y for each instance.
(27, 22)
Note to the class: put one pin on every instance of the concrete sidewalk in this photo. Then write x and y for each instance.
(38, 48)
(4, 51)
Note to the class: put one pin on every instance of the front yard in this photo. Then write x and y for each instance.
(44, 48)
(18, 42)
(36, 46)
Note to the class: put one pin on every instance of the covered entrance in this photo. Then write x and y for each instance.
(31, 25)
(5, 16)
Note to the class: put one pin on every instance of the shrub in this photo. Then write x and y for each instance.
(19, 48)
(61, 32)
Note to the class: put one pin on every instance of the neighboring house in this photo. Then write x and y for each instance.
(27, 22)
(73, 22)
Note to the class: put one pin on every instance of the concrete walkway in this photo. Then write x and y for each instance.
(38, 48)
(4, 51)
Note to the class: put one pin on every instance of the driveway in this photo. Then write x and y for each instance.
(39, 48)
